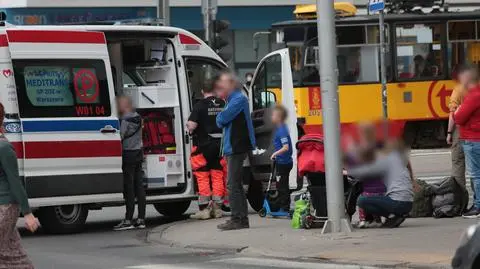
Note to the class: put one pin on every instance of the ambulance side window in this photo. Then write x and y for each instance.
(62, 88)
(199, 70)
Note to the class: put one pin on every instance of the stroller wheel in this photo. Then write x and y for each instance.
(308, 222)
(262, 212)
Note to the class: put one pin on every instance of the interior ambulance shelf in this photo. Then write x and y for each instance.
(156, 96)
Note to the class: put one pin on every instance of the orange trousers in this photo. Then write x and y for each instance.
(210, 177)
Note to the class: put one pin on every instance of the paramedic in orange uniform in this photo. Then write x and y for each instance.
(205, 158)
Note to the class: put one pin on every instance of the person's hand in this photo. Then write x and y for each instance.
(344, 172)
(31, 222)
(416, 186)
(350, 143)
(449, 139)
(274, 155)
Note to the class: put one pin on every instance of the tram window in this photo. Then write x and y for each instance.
(358, 64)
(310, 74)
(296, 63)
(419, 51)
(294, 34)
(351, 35)
(464, 45)
(358, 56)
(461, 30)
(462, 52)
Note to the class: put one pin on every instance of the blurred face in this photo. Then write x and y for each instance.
(276, 117)
(225, 86)
(124, 105)
(367, 134)
(467, 79)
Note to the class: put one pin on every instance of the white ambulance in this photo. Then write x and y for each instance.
(58, 85)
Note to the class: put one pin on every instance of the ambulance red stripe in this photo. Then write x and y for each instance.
(78, 37)
(68, 149)
(18, 149)
(3, 41)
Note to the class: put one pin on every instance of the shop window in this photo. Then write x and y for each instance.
(62, 88)
(419, 51)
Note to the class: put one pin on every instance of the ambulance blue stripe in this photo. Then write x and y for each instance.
(67, 125)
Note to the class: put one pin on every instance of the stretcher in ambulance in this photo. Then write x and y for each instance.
(59, 86)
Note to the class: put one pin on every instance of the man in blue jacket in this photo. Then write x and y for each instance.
(238, 139)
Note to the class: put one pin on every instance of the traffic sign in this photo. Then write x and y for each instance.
(376, 5)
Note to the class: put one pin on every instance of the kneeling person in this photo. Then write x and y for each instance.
(397, 202)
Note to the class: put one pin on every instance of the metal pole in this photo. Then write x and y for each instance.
(331, 118)
(166, 12)
(383, 71)
(163, 11)
(206, 20)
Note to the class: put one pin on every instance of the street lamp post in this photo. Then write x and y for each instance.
(163, 11)
(337, 222)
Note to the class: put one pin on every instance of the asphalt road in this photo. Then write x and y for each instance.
(101, 248)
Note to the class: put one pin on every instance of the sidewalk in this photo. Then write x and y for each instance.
(418, 243)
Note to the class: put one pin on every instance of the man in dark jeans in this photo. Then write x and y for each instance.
(238, 138)
(131, 133)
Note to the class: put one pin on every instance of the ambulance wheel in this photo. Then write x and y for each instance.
(255, 194)
(65, 219)
(172, 209)
(262, 212)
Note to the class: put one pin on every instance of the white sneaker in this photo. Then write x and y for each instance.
(124, 225)
(374, 224)
(216, 211)
(203, 214)
(362, 224)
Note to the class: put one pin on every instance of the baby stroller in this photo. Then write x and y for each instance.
(311, 165)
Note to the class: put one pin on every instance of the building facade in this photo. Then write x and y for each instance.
(247, 17)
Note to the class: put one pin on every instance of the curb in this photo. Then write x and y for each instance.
(158, 232)
(156, 235)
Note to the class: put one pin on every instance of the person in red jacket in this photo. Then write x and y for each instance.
(467, 117)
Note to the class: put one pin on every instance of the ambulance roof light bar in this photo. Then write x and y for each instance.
(147, 21)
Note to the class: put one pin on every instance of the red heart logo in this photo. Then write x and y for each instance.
(7, 72)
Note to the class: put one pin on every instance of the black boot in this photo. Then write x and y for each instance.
(234, 224)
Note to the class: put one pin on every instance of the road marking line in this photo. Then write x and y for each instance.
(287, 264)
(161, 266)
(420, 154)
